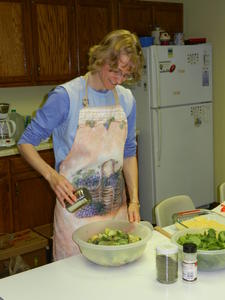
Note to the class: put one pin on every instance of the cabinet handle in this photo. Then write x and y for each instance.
(38, 69)
(17, 189)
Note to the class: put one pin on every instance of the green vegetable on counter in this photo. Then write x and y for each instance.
(112, 237)
(209, 240)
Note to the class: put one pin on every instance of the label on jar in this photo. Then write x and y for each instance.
(189, 270)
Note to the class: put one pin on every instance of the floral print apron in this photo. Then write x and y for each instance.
(95, 161)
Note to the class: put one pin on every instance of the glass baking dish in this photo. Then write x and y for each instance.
(199, 218)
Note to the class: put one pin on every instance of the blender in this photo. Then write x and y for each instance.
(7, 127)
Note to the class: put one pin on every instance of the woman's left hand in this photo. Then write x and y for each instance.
(133, 212)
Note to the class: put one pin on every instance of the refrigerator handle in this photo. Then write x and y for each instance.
(158, 136)
(156, 62)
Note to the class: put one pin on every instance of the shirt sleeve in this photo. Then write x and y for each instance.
(54, 112)
(131, 144)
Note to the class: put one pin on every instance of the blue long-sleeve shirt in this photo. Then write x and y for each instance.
(54, 117)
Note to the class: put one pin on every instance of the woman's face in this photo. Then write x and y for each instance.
(110, 78)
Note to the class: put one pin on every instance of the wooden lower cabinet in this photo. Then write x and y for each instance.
(6, 224)
(33, 201)
(26, 199)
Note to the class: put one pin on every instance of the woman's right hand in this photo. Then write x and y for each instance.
(60, 185)
(63, 189)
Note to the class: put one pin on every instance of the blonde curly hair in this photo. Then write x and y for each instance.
(111, 47)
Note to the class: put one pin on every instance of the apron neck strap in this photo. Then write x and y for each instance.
(85, 99)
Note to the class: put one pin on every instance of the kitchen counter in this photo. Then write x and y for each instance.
(77, 278)
(7, 151)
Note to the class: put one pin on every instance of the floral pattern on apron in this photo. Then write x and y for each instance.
(95, 161)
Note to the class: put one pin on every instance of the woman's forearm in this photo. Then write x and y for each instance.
(130, 170)
(60, 185)
(31, 155)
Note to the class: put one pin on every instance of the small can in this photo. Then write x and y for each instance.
(189, 262)
(179, 38)
(83, 198)
(167, 263)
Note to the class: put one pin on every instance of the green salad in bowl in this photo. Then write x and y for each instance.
(210, 246)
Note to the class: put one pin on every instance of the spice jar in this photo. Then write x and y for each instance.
(83, 198)
(189, 262)
(167, 263)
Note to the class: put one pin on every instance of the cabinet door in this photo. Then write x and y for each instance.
(54, 57)
(15, 67)
(135, 16)
(94, 20)
(6, 224)
(169, 16)
(33, 201)
(32, 197)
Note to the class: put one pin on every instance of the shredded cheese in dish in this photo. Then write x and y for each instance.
(201, 222)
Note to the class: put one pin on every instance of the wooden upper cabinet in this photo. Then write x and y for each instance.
(15, 42)
(169, 16)
(54, 53)
(94, 20)
(47, 41)
(135, 16)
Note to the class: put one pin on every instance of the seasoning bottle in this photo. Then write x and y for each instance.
(83, 198)
(189, 262)
(167, 263)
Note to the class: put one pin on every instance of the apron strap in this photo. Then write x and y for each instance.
(116, 97)
(85, 99)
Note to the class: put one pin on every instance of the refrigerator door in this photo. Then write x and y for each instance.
(179, 74)
(183, 153)
(145, 149)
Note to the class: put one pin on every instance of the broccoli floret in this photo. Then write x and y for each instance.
(221, 236)
(212, 233)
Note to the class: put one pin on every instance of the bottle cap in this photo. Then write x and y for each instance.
(189, 248)
(167, 249)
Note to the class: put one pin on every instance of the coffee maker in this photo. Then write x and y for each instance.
(7, 127)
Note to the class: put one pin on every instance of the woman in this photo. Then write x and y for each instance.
(92, 121)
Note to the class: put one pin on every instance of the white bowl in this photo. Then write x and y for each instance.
(112, 255)
(208, 260)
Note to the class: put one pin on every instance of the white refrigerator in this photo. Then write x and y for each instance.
(174, 118)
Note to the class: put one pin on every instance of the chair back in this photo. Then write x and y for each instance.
(167, 207)
(222, 192)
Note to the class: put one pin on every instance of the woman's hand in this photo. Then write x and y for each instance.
(133, 212)
(63, 189)
(60, 185)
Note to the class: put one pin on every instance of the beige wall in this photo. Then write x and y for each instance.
(26, 100)
(206, 18)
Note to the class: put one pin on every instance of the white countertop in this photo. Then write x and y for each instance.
(78, 279)
(14, 150)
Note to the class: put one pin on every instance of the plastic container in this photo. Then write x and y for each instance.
(20, 126)
(146, 41)
(113, 255)
(156, 34)
(167, 263)
(208, 260)
(189, 262)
